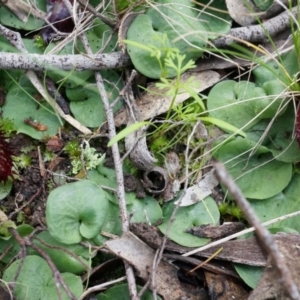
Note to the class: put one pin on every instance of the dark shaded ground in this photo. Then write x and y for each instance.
(26, 201)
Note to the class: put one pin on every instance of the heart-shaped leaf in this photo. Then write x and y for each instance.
(30, 109)
(280, 205)
(76, 211)
(35, 280)
(176, 24)
(86, 104)
(64, 261)
(204, 212)
(121, 292)
(243, 104)
(258, 175)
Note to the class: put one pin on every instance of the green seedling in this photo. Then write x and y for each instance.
(227, 209)
(73, 148)
(83, 156)
(21, 162)
(39, 42)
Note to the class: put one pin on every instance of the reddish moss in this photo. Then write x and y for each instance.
(6, 162)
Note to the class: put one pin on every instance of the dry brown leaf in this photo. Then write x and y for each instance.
(141, 256)
(153, 102)
(246, 251)
(223, 288)
(270, 285)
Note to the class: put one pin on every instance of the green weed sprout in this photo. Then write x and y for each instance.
(88, 159)
(39, 42)
(21, 162)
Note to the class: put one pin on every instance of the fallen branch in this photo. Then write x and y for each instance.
(265, 237)
(43, 62)
(116, 158)
(258, 33)
(59, 281)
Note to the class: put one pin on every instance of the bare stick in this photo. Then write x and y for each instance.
(159, 254)
(104, 19)
(235, 235)
(25, 203)
(100, 287)
(74, 62)
(265, 238)
(116, 157)
(258, 33)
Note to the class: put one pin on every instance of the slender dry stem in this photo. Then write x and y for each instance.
(266, 239)
(116, 157)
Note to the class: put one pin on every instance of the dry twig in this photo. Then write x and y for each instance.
(116, 157)
(265, 238)
(258, 33)
(56, 274)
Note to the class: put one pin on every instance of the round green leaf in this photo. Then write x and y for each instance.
(259, 175)
(280, 205)
(73, 282)
(215, 18)
(63, 260)
(177, 24)
(204, 212)
(107, 177)
(28, 108)
(282, 70)
(263, 4)
(88, 109)
(35, 280)
(142, 210)
(250, 274)
(98, 36)
(145, 210)
(121, 292)
(234, 103)
(141, 58)
(280, 139)
(75, 211)
(104, 176)
(112, 223)
(86, 104)
(269, 105)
